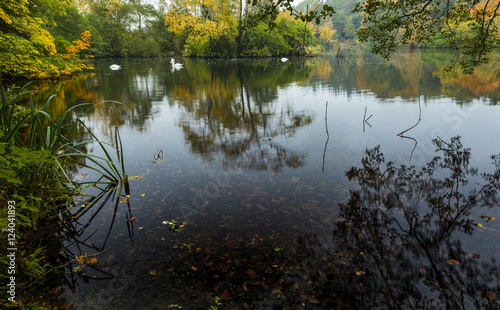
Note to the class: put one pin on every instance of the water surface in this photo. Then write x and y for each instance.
(286, 184)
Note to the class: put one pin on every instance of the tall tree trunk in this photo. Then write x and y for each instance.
(242, 27)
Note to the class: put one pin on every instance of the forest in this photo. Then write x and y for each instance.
(62, 155)
(50, 38)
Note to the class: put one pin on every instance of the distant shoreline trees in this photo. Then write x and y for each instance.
(51, 38)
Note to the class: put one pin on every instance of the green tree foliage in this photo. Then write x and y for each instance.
(27, 47)
(468, 26)
(210, 28)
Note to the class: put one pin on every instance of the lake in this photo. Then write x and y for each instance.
(305, 184)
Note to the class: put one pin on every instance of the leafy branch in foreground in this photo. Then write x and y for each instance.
(468, 26)
(269, 10)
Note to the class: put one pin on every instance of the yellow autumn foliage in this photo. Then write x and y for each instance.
(28, 49)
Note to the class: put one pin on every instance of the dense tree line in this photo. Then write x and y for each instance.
(49, 38)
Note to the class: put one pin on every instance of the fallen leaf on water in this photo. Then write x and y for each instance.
(251, 273)
(142, 195)
(262, 208)
(492, 295)
(170, 269)
(128, 196)
(453, 262)
(141, 227)
(135, 177)
(80, 259)
(360, 272)
(91, 261)
(487, 217)
(153, 272)
(476, 255)
(479, 224)
(131, 219)
(194, 268)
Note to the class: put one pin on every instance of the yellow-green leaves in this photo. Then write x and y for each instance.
(201, 21)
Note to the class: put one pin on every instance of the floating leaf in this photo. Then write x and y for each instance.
(492, 295)
(153, 272)
(479, 224)
(141, 227)
(453, 262)
(142, 195)
(91, 261)
(251, 273)
(262, 208)
(135, 177)
(80, 259)
(476, 255)
(194, 268)
(360, 272)
(131, 219)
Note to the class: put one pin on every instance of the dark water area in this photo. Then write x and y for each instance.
(306, 184)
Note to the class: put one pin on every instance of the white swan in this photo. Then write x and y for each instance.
(284, 59)
(115, 67)
(175, 65)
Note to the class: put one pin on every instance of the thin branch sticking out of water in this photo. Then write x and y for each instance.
(419, 118)
(327, 134)
(365, 120)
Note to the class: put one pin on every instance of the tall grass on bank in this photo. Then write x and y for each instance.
(36, 153)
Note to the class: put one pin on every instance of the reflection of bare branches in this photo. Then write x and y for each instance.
(414, 147)
(397, 238)
(405, 221)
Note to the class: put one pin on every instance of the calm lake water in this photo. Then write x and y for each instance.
(293, 185)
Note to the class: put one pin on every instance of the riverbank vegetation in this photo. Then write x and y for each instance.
(39, 154)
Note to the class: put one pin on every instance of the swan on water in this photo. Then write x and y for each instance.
(115, 67)
(175, 65)
(284, 59)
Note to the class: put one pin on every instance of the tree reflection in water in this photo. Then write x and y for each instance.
(400, 246)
